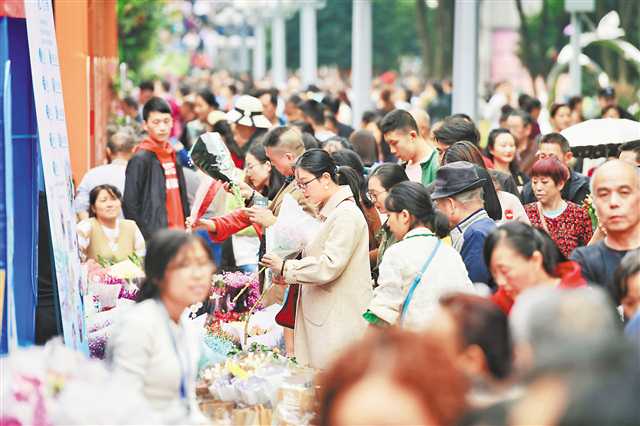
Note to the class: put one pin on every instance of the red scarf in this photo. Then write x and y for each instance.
(165, 153)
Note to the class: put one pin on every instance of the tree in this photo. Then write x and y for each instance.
(138, 26)
(423, 35)
(614, 64)
(435, 38)
(541, 36)
(393, 31)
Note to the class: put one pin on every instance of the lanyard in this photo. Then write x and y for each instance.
(416, 281)
(184, 368)
(426, 234)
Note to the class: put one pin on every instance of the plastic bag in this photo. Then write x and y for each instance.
(262, 328)
(293, 231)
(105, 294)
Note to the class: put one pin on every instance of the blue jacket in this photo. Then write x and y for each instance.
(468, 238)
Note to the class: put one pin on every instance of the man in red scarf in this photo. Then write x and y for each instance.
(155, 195)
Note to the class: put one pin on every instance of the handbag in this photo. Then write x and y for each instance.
(286, 317)
(416, 281)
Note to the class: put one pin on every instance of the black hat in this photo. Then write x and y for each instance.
(607, 92)
(455, 178)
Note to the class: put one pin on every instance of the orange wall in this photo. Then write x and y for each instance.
(73, 47)
(87, 43)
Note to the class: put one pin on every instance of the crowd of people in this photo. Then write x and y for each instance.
(450, 281)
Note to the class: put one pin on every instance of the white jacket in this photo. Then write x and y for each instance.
(401, 263)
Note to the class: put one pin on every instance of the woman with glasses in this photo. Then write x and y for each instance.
(260, 174)
(151, 346)
(347, 157)
(333, 273)
(381, 180)
(264, 184)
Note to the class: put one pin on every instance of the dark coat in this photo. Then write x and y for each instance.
(575, 190)
(145, 194)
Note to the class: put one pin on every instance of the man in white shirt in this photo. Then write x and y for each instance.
(119, 151)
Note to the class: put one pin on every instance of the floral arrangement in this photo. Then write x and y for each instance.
(258, 376)
(275, 352)
(107, 262)
(235, 292)
(218, 340)
(108, 288)
(233, 296)
(55, 385)
(98, 274)
(587, 204)
(98, 346)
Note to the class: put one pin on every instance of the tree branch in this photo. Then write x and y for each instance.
(423, 37)
(524, 26)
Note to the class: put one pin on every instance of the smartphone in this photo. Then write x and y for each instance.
(260, 201)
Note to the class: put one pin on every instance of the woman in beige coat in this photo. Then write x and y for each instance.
(334, 273)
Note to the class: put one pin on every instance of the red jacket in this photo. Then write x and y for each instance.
(570, 275)
(231, 223)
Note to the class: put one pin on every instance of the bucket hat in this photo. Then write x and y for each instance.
(248, 112)
(455, 178)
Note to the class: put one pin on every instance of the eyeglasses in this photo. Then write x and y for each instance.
(206, 268)
(303, 185)
(373, 196)
(544, 156)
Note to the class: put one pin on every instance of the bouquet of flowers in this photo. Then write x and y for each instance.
(99, 280)
(261, 376)
(233, 296)
(210, 154)
(293, 231)
(587, 204)
(234, 292)
(111, 286)
(55, 385)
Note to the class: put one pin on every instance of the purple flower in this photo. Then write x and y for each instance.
(128, 294)
(97, 346)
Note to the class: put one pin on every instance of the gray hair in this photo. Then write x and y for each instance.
(420, 115)
(123, 140)
(476, 194)
(565, 327)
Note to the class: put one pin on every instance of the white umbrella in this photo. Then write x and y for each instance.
(600, 137)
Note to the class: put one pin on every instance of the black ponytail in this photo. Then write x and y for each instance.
(389, 175)
(318, 161)
(348, 176)
(347, 157)
(414, 198)
(525, 239)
